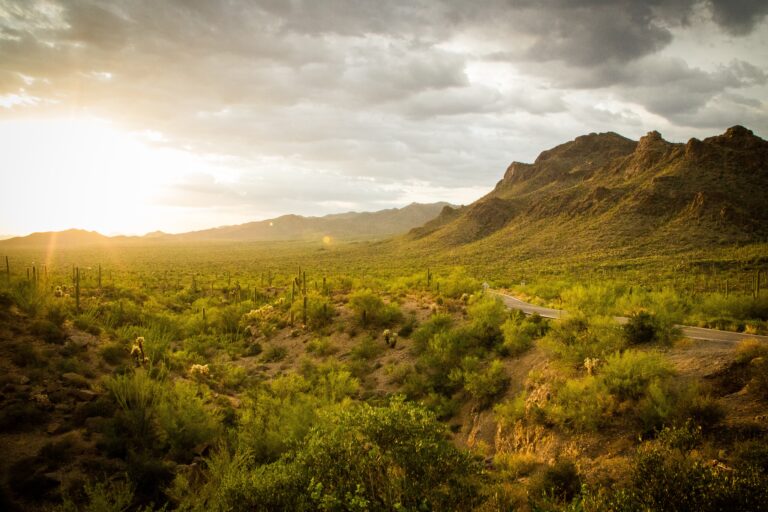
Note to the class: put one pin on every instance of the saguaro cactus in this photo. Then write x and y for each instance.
(77, 289)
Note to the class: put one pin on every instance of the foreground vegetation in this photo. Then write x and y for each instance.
(318, 378)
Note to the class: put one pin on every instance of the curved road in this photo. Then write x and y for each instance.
(695, 333)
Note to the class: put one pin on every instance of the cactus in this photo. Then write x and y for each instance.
(7, 270)
(304, 311)
(99, 275)
(429, 277)
(137, 352)
(77, 289)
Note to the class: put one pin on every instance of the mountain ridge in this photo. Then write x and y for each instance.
(604, 191)
(344, 226)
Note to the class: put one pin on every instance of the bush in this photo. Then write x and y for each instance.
(408, 326)
(386, 458)
(519, 332)
(26, 355)
(486, 314)
(274, 354)
(48, 331)
(627, 375)
(458, 283)
(577, 337)
(670, 475)
(320, 311)
(483, 383)
(644, 327)
(114, 353)
(437, 323)
(641, 328)
(581, 404)
(368, 348)
(322, 347)
(371, 311)
(560, 482)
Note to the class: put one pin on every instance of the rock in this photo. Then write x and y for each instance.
(23, 380)
(54, 428)
(75, 379)
(85, 395)
(81, 340)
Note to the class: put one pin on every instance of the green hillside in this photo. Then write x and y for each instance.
(603, 194)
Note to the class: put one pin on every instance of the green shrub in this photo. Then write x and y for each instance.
(367, 349)
(26, 355)
(276, 417)
(408, 326)
(185, 422)
(48, 331)
(483, 383)
(577, 337)
(627, 375)
(581, 404)
(458, 283)
(386, 458)
(322, 347)
(437, 323)
(371, 311)
(509, 412)
(274, 354)
(670, 476)
(486, 314)
(320, 311)
(519, 333)
(114, 353)
(560, 482)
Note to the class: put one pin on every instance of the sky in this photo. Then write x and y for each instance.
(131, 116)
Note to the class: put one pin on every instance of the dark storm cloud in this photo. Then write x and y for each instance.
(372, 89)
(739, 17)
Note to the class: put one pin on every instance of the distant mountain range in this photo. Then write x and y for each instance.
(342, 226)
(604, 192)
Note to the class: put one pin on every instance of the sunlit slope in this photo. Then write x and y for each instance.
(603, 194)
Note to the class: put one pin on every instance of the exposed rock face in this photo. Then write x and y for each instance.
(703, 191)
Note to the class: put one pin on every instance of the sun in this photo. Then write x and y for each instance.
(83, 172)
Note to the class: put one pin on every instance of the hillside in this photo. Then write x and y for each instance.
(343, 226)
(606, 193)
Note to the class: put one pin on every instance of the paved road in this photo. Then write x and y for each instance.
(695, 333)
